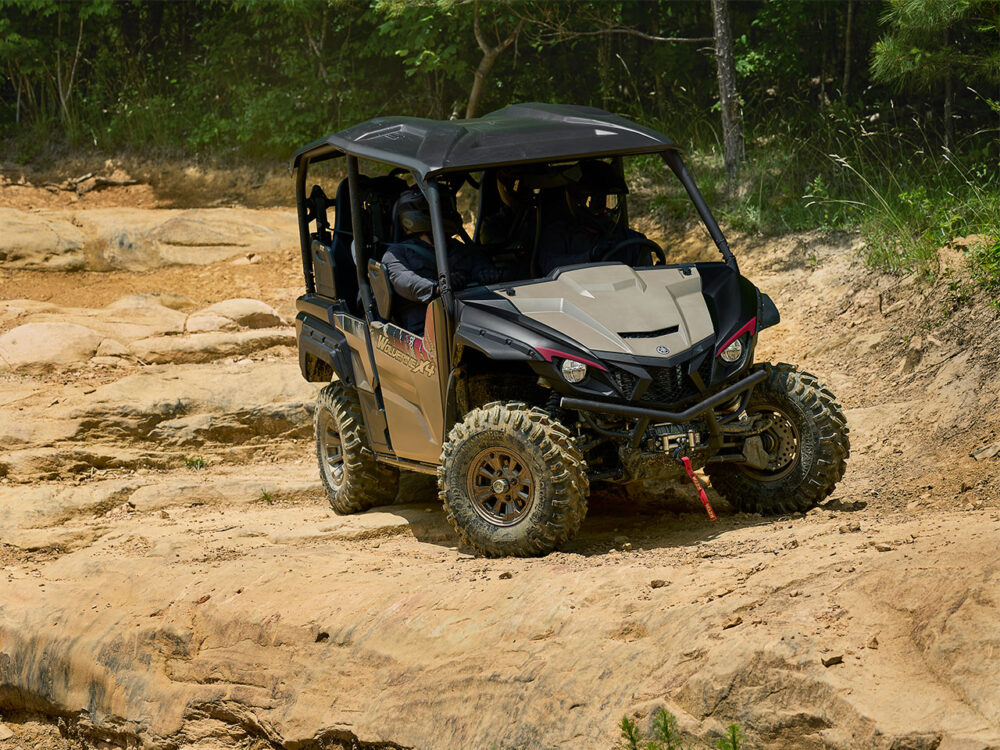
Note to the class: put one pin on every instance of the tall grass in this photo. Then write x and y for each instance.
(841, 170)
(911, 208)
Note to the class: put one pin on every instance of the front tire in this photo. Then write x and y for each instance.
(352, 478)
(808, 443)
(512, 481)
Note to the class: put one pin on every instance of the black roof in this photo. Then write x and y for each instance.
(518, 134)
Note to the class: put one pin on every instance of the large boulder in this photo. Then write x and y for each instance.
(33, 240)
(247, 313)
(39, 346)
(204, 347)
(233, 314)
(139, 239)
(193, 237)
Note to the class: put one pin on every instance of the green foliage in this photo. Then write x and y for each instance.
(666, 735)
(665, 731)
(194, 463)
(266, 497)
(912, 209)
(931, 40)
(734, 739)
(630, 737)
(985, 262)
(425, 35)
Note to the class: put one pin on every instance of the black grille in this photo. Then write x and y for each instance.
(625, 381)
(705, 370)
(668, 385)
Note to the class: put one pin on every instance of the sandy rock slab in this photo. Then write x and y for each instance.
(143, 327)
(139, 239)
(50, 514)
(144, 419)
(194, 404)
(221, 623)
(205, 347)
(233, 314)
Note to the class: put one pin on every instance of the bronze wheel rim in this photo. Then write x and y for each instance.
(782, 442)
(500, 487)
(331, 451)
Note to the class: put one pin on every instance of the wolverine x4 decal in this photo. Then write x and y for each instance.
(405, 348)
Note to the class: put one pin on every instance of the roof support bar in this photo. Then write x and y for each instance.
(300, 201)
(360, 253)
(360, 243)
(430, 189)
(674, 161)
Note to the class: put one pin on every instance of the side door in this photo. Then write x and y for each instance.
(410, 376)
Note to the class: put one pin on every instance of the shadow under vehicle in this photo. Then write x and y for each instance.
(519, 395)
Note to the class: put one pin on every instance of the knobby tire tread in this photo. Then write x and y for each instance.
(552, 444)
(367, 483)
(832, 450)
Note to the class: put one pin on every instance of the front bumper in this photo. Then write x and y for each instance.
(660, 415)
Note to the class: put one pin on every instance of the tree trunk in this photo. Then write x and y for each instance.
(317, 45)
(847, 51)
(949, 128)
(732, 116)
(490, 55)
(64, 85)
(478, 81)
(823, 99)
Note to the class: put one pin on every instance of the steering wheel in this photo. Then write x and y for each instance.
(641, 241)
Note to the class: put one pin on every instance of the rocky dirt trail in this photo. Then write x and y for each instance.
(173, 577)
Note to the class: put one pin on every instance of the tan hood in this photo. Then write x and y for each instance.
(603, 307)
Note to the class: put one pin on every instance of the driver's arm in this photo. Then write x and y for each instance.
(410, 278)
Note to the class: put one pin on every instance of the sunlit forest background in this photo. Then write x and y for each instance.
(880, 116)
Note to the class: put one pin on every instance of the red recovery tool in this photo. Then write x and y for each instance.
(697, 485)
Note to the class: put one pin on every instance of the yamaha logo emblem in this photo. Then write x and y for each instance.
(662, 350)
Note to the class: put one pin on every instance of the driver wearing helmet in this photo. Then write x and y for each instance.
(591, 225)
(411, 264)
(510, 224)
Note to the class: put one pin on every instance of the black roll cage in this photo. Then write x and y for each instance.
(429, 187)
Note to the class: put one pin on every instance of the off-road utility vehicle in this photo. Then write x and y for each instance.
(520, 395)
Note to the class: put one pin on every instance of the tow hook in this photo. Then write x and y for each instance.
(686, 462)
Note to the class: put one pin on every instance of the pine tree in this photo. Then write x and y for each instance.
(932, 44)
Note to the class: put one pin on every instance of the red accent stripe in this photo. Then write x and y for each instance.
(750, 326)
(550, 353)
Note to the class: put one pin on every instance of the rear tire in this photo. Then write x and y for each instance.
(512, 481)
(352, 478)
(810, 444)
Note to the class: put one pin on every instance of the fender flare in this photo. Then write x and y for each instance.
(322, 342)
(767, 312)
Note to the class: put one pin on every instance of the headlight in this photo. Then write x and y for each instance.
(733, 352)
(573, 371)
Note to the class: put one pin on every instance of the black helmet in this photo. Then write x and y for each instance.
(512, 189)
(596, 196)
(415, 215)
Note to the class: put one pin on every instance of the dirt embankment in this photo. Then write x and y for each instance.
(174, 578)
